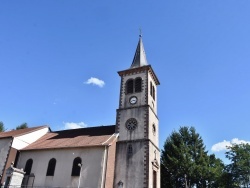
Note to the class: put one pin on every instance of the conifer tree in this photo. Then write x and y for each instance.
(186, 163)
(1, 126)
(22, 126)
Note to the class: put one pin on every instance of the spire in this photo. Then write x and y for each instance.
(140, 56)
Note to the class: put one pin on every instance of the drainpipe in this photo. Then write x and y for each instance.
(80, 165)
(104, 167)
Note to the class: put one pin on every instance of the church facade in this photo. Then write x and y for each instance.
(125, 155)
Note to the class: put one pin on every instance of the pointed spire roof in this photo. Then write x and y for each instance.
(140, 55)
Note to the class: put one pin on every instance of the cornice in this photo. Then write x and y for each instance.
(137, 70)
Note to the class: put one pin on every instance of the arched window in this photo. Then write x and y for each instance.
(138, 85)
(51, 167)
(130, 150)
(28, 166)
(130, 86)
(151, 89)
(153, 92)
(76, 168)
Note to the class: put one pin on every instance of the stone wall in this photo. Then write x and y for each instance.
(5, 144)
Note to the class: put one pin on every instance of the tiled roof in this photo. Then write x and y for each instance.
(85, 137)
(19, 132)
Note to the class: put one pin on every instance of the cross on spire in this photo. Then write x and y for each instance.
(140, 35)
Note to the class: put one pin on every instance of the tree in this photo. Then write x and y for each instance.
(239, 169)
(22, 126)
(185, 163)
(216, 175)
(1, 126)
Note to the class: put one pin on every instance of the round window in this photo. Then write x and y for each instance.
(131, 124)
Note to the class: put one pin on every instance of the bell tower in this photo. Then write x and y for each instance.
(137, 149)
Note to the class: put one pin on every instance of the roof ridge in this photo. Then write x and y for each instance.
(94, 127)
(15, 133)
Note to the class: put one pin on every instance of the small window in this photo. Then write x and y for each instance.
(130, 150)
(76, 168)
(138, 85)
(51, 167)
(28, 167)
(153, 129)
(130, 86)
(151, 90)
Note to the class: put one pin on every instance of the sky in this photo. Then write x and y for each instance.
(59, 61)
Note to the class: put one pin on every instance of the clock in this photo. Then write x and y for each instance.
(131, 124)
(133, 100)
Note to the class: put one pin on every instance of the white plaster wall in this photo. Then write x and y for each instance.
(153, 137)
(92, 160)
(4, 150)
(153, 120)
(21, 142)
(152, 102)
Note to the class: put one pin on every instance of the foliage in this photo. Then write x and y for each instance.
(185, 163)
(22, 126)
(239, 169)
(1, 126)
(215, 172)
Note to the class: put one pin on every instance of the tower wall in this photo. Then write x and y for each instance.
(137, 152)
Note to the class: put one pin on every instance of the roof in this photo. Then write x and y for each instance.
(84, 137)
(20, 132)
(140, 55)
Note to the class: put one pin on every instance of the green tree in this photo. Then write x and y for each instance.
(22, 126)
(1, 126)
(239, 169)
(216, 173)
(185, 162)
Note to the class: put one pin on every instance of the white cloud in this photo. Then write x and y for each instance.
(222, 146)
(95, 81)
(72, 125)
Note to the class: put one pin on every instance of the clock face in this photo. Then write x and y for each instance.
(133, 100)
(131, 124)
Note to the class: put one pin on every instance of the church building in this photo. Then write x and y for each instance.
(124, 155)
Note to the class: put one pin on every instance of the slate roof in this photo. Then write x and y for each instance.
(140, 55)
(84, 137)
(20, 132)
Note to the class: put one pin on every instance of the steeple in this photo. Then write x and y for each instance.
(137, 148)
(140, 55)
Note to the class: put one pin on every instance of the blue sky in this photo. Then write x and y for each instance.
(199, 49)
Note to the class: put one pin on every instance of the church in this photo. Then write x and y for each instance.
(124, 155)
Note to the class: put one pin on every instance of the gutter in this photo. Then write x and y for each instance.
(105, 159)
(104, 169)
